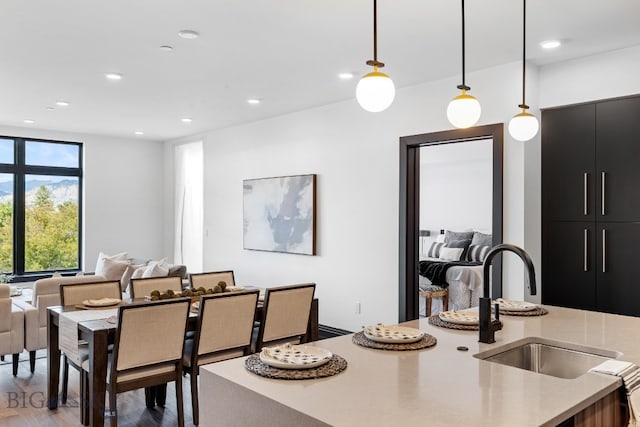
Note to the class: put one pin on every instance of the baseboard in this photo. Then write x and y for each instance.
(325, 332)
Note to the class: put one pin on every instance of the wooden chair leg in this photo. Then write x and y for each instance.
(32, 361)
(84, 397)
(65, 379)
(2, 358)
(15, 364)
(194, 398)
(113, 407)
(179, 402)
(428, 309)
(445, 301)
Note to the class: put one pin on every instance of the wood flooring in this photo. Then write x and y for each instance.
(23, 401)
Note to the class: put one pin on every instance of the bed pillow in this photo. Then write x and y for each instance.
(460, 244)
(440, 238)
(434, 250)
(481, 239)
(457, 235)
(477, 253)
(451, 254)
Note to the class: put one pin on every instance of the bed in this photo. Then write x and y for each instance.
(454, 260)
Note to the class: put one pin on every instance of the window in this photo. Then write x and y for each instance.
(40, 205)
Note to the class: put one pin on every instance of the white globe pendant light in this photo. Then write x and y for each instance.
(375, 91)
(464, 110)
(523, 126)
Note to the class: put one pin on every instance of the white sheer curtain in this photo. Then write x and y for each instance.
(188, 235)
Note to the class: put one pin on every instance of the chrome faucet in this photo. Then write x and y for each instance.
(488, 327)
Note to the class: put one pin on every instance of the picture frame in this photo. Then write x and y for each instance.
(279, 214)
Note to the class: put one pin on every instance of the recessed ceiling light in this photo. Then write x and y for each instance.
(345, 76)
(253, 101)
(188, 34)
(186, 120)
(139, 132)
(113, 76)
(62, 104)
(50, 108)
(166, 48)
(550, 44)
(29, 121)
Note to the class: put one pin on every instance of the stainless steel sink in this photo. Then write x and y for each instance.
(548, 357)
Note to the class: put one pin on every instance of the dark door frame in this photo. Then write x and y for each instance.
(410, 207)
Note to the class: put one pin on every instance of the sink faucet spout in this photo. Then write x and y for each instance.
(487, 326)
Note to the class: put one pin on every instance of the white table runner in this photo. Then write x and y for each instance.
(68, 329)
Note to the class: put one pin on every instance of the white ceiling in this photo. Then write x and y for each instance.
(286, 52)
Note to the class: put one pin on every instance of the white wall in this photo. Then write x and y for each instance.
(355, 155)
(123, 193)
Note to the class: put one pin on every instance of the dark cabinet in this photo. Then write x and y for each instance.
(591, 206)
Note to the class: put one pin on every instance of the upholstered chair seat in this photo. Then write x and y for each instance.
(11, 327)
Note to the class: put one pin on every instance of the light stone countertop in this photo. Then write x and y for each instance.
(437, 386)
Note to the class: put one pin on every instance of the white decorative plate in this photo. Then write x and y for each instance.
(102, 302)
(460, 317)
(233, 289)
(195, 306)
(511, 305)
(393, 334)
(295, 356)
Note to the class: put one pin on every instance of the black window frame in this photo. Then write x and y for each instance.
(19, 169)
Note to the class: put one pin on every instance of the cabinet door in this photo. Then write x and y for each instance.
(568, 264)
(568, 163)
(618, 160)
(618, 269)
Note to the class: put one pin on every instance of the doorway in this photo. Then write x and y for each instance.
(409, 232)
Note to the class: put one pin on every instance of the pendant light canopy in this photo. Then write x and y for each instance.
(375, 90)
(523, 126)
(463, 110)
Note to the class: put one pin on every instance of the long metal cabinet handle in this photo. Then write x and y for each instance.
(604, 250)
(604, 187)
(586, 254)
(586, 207)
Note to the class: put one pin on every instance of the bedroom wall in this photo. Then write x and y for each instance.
(355, 155)
(123, 193)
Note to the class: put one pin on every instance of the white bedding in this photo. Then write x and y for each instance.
(465, 288)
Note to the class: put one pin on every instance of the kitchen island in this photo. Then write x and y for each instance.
(436, 386)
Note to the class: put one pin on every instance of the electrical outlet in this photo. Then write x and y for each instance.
(358, 307)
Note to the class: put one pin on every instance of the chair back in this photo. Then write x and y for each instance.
(76, 293)
(149, 335)
(210, 279)
(143, 287)
(225, 324)
(286, 314)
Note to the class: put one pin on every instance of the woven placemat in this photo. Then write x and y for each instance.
(427, 341)
(334, 366)
(539, 311)
(436, 321)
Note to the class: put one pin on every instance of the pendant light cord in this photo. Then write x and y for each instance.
(463, 86)
(524, 105)
(375, 30)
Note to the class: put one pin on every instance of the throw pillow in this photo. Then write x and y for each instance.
(125, 281)
(113, 270)
(157, 269)
(440, 238)
(102, 256)
(481, 239)
(434, 250)
(477, 253)
(450, 254)
(138, 272)
(460, 244)
(457, 235)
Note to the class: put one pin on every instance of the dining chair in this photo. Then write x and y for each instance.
(223, 331)
(285, 315)
(11, 327)
(210, 279)
(46, 293)
(140, 358)
(72, 294)
(143, 287)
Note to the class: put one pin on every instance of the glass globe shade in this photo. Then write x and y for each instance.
(523, 126)
(464, 111)
(375, 92)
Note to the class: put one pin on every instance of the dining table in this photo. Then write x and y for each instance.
(99, 334)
